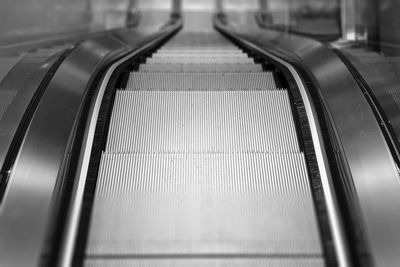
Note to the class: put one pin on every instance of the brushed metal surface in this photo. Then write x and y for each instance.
(203, 203)
(202, 60)
(271, 262)
(202, 121)
(369, 161)
(24, 80)
(181, 67)
(26, 214)
(6, 97)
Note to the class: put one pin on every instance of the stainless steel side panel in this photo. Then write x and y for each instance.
(375, 175)
(26, 212)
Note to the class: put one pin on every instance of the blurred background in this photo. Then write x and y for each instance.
(363, 34)
(367, 32)
(370, 21)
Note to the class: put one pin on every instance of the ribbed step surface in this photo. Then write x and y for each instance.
(202, 166)
(210, 68)
(204, 262)
(180, 122)
(201, 81)
(201, 60)
(196, 56)
(200, 51)
(203, 174)
(6, 64)
(187, 203)
(195, 40)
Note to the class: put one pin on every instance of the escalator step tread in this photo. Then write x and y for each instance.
(201, 81)
(200, 49)
(203, 174)
(156, 121)
(271, 262)
(184, 68)
(203, 204)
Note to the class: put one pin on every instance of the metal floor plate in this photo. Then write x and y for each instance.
(210, 68)
(203, 204)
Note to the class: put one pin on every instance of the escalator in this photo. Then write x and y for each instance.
(203, 165)
(232, 142)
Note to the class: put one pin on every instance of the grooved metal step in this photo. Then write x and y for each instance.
(6, 97)
(170, 121)
(201, 81)
(199, 40)
(199, 49)
(184, 68)
(202, 60)
(202, 166)
(203, 174)
(187, 203)
(196, 56)
(202, 51)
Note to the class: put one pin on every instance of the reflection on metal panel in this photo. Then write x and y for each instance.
(186, 203)
(24, 21)
(374, 176)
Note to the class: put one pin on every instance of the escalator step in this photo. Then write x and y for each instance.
(204, 262)
(206, 50)
(258, 121)
(213, 204)
(184, 68)
(203, 174)
(196, 56)
(202, 60)
(201, 81)
(200, 49)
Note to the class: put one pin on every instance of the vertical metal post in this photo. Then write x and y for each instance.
(133, 14)
(176, 9)
(348, 19)
(264, 15)
(219, 6)
(263, 5)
